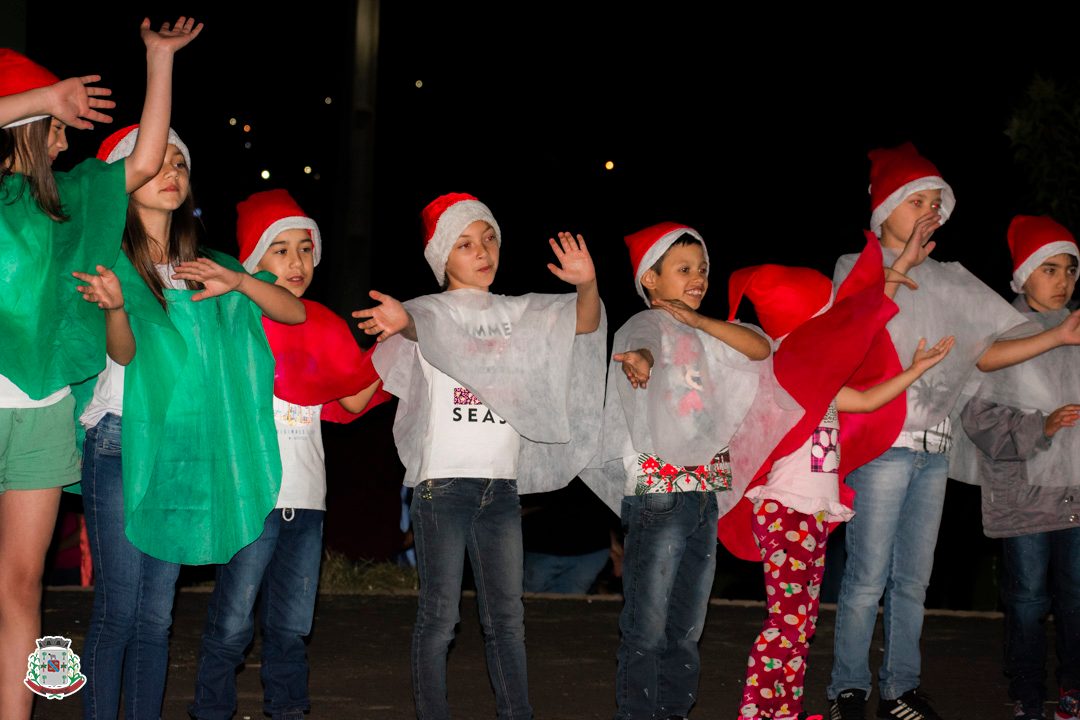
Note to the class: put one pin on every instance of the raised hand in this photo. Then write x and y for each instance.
(216, 280)
(680, 311)
(72, 100)
(919, 245)
(1064, 416)
(386, 319)
(170, 38)
(926, 358)
(637, 365)
(102, 289)
(575, 264)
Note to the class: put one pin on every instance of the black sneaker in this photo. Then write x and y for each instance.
(912, 705)
(848, 705)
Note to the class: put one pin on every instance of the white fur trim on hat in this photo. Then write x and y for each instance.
(1037, 258)
(448, 229)
(654, 253)
(24, 121)
(126, 146)
(277, 227)
(884, 210)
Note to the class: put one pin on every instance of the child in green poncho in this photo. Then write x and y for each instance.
(52, 224)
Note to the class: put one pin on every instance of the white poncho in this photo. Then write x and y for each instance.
(521, 357)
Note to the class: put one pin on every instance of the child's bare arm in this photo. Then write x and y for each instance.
(576, 267)
(386, 319)
(356, 403)
(851, 400)
(73, 102)
(276, 303)
(104, 291)
(1004, 353)
(637, 365)
(916, 250)
(738, 337)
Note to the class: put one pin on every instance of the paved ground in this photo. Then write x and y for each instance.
(360, 659)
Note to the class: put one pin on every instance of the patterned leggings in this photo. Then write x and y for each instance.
(793, 553)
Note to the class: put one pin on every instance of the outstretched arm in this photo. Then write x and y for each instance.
(276, 303)
(1004, 353)
(576, 267)
(145, 159)
(738, 337)
(73, 102)
(104, 291)
(386, 319)
(862, 401)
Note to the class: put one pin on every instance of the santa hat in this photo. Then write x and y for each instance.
(784, 297)
(19, 73)
(122, 143)
(649, 245)
(264, 216)
(445, 218)
(896, 173)
(1031, 241)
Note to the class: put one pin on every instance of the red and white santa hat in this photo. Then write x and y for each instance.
(896, 173)
(784, 297)
(19, 73)
(1033, 239)
(445, 218)
(649, 245)
(264, 216)
(122, 143)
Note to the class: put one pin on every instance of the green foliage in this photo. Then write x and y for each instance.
(1044, 131)
(340, 574)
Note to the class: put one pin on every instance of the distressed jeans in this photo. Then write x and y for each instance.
(669, 562)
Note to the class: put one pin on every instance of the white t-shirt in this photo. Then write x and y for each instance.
(807, 480)
(303, 462)
(12, 397)
(465, 438)
(109, 389)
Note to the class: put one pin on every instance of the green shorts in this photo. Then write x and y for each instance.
(37, 447)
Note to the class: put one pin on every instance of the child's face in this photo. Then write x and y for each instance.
(1052, 283)
(896, 229)
(291, 256)
(57, 139)
(167, 190)
(684, 275)
(474, 258)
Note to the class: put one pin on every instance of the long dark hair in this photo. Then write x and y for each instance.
(28, 146)
(183, 245)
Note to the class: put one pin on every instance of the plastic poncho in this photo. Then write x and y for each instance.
(1043, 383)
(521, 357)
(51, 337)
(318, 362)
(949, 301)
(698, 393)
(200, 456)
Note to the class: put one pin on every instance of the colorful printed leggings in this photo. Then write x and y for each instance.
(793, 553)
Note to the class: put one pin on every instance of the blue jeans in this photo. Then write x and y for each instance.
(282, 568)
(127, 643)
(452, 516)
(669, 562)
(1042, 571)
(890, 549)
(570, 574)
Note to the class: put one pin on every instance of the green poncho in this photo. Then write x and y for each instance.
(200, 455)
(50, 337)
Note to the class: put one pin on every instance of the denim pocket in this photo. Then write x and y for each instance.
(440, 483)
(107, 441)
(657, 505)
